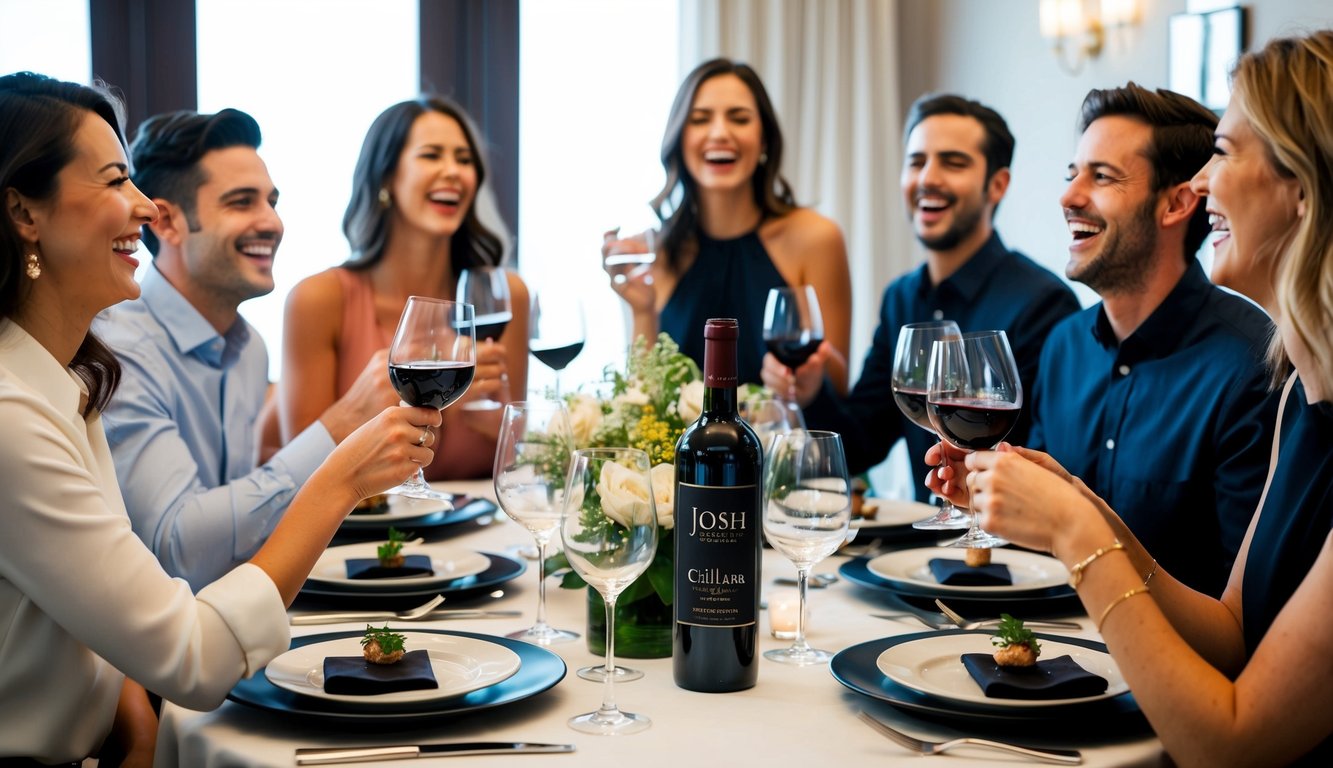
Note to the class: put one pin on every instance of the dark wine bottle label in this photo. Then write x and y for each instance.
(717, 564)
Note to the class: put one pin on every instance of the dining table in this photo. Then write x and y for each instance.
(794, 715)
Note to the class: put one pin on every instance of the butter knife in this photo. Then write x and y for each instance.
(332, 755)
(302, 619)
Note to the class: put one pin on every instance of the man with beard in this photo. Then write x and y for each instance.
(1157, 397)
(956, 172)
(182, 424)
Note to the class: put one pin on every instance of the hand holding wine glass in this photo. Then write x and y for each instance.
(531, 473)
(487, 290)
(609, 532)
(431, 364)
(974, 398)
(911, 364)
(793, 325)
(807, 509)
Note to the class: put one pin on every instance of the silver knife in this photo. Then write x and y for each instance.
(331, 755)
(440, 615)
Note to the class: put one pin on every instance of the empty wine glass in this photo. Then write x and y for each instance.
(531, 472)
(487, 290)
(609, 531)
(631, 256)
(807, 508)
(431, 364)
(793, 325)
(974, 397)
(911, 364)
(558, 331)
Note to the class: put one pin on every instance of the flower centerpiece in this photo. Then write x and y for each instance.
(646, 406)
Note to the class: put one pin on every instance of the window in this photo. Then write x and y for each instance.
(50, 37)
(598, 79)
(339, 68)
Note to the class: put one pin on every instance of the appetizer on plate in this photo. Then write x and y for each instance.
(1017, 645)
(390, 553)
(382, 646)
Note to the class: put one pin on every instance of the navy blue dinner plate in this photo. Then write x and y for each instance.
(354, 529)
(539, 671)
(855, 668)
(376, 596)
(857, 572)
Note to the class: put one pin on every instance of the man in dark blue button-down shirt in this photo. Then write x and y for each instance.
(956, 172)
(1157, 397)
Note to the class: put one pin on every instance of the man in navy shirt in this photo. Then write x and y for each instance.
(1157, 397)
(955, 174)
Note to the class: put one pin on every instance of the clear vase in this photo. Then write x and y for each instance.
(643, 626)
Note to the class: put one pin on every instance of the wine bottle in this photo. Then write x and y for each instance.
(719, 467)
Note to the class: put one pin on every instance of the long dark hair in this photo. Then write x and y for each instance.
(366, 222)
(38, 119)
(677, 205)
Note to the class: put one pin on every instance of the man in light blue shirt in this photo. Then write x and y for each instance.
(183, 425)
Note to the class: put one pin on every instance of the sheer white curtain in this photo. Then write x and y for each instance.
(831, 69)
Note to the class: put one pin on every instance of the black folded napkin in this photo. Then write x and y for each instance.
(370, 568)
(957, 573)
(354, 676)
(1058, 678)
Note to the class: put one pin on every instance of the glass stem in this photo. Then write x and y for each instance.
(802, 586)
(947, 506)
(608, 693)
(541, 583)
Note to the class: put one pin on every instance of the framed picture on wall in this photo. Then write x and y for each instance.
(1202, 47)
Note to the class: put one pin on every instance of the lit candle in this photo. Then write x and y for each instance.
(783, 609)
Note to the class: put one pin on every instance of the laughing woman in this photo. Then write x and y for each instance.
(731, 229)
(1248, 679)
(85, 607)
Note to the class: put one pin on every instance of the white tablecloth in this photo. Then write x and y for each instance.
(797, 716)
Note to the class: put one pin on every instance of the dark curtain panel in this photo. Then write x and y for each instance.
(469, 52)
(146, 49)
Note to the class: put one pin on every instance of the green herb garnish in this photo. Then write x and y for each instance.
(1012, 632)
(393, 547)
(388, 640)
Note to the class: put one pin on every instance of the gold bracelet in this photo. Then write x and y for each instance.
(1076, 572)
(1151, 573)
(1118, 601)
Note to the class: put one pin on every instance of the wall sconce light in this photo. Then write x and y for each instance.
(1076, 28)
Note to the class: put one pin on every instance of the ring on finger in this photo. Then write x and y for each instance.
(425, 433)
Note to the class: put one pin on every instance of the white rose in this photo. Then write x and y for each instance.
(585, 416)
(632, 396)
(663, 478)
(623, 491)
(691, 402)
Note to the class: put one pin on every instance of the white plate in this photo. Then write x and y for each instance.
(891, 512)
(1029, 570)
(448, 562)
(404, 509)
(460, 664)
(933, 666)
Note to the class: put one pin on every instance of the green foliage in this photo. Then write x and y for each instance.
(389, 641)
(393, 547)
(1012, 632)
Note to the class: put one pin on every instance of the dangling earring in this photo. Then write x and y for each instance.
(385, 200)
(763, 158)
(34, 267)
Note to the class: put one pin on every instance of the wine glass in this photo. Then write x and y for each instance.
(431, 364)
(531, 471)
(486, 289)
(558, 331)
(609, 531)
(770, 418)
(807, 509)
(631, 257)
(793, 325)
(911, 363)
(974, 397)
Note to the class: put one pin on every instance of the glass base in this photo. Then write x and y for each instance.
(976, 538)
(799, 657)
(423, 491)
(949, 518)
(482, 405)
(544, 635)
(612, 723)
(597, 674)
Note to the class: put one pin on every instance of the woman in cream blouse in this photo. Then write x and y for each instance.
(85, 609)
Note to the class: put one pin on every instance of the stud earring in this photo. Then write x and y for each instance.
(385, 200)
(34, 267)
(763, 158)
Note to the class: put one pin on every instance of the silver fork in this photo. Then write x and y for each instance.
(963, 623)
(1061, 756)
(409, 615)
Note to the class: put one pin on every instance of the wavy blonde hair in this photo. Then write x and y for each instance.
(1285, 90)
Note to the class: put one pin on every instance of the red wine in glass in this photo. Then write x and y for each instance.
(558, 358)
(793, 350)
(973, 424)
(912, 402)
(911, 364)
(431, 383)
(491, 327)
